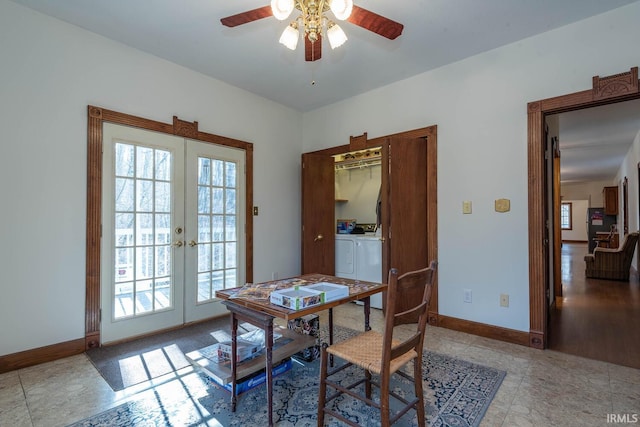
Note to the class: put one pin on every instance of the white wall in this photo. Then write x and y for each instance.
(50, 72)
(591, 191)
(480, 107)
(360, 187)
(630, 170)
(578, 232)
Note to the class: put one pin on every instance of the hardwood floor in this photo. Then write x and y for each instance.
(596, 319)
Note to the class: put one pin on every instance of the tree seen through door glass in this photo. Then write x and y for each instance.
(217, 222)
(143, 252)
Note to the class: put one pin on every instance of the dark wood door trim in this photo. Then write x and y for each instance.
(605, 90)
(96, 117)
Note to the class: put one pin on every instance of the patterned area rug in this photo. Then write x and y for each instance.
(457, 393)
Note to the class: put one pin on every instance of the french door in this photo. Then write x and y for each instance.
(172, 213)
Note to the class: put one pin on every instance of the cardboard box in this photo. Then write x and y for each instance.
(249, 345)
(297, 298)
(332, 291)
(254, 380)
(245, 350)
(207, 361)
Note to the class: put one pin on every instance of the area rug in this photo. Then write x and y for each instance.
(457, 393)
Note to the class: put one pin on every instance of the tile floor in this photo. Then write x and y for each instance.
(542, 388)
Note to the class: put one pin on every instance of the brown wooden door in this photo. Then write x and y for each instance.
(404, 205)
(318, 214)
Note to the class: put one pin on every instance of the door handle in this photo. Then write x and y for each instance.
(318, 237)
(193, 243)
(178, 244)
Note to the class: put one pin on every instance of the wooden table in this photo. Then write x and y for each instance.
(251, 304)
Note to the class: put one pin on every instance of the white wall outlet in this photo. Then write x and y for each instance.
(274, 275)
(466, 207)
(504, 300)
(467, 296)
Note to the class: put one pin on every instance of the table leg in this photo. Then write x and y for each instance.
(265, 322)
(234, 367)
(331, 335)
(269, 354)
(330, 326)
(367, 312)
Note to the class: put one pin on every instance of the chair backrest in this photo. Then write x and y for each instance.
(629, 245)
(407, 284)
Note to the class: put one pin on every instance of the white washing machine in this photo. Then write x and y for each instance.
(359, 257)
(345, 256)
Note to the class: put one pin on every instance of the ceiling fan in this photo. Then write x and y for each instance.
(313, 23)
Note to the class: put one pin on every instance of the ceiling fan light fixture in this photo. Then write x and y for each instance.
(336, 36)
(281, 9)
(341, 8)
(290, 36)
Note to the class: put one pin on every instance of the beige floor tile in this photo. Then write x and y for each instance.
(65, 391)
(13, 405)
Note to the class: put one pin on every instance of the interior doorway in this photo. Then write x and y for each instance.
(607, 90)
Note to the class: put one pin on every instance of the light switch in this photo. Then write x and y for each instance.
(466, 207)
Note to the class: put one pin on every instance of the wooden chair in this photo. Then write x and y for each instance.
(382, 354)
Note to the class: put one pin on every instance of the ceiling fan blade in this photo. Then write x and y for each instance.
(312, 51)
(246, 17)
(376, 23)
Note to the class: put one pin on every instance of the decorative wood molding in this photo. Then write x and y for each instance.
(93, 226)
(92, 340)
(95, 112)
(615, 85)
(533, 107)
(358, 142)
(184, 128)
(484, 330)
(536, 340)
(433, 317)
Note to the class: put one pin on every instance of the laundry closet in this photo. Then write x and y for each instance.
(358, 240)
(341, 187)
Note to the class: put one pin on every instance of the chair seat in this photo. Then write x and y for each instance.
(365, 350)
(381, 355)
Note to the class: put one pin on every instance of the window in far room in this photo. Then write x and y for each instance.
(565, 216)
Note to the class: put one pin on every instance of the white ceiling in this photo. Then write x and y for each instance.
(436, 33)
(594, 141)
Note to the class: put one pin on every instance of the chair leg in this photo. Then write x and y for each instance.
(322, 389)
(417, 379)
(367, 384)
(384, 400)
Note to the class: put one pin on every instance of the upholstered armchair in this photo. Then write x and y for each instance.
(613, 264)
